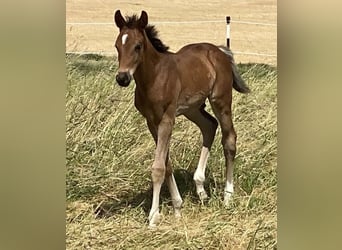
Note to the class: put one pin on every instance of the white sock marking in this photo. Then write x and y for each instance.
(199, 175)
(229, 187)
(200, 171)
(124, 38)
(176, 198)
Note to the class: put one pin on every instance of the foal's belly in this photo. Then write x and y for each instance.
(187, 102)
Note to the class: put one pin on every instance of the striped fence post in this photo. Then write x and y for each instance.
(228, 31)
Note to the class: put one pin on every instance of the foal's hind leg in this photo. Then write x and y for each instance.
(207, 125)
(222, 109)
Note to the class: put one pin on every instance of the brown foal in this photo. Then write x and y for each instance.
(172, 84)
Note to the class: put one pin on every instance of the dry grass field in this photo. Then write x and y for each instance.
(110, 151)
(244, 37)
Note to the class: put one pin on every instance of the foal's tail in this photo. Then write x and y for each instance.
(238, 83)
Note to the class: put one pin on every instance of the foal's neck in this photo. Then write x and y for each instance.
(146, 72)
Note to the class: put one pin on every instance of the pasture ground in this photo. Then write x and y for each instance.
(110, 151)
(244, 37)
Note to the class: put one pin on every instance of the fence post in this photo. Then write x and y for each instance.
(228, 31)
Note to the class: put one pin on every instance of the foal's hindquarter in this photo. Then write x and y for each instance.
(211, 78)
(179, 85)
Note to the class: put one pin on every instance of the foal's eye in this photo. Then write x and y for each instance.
(137, 47)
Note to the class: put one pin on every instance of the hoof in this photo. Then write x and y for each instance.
(202, 195)
(154, 219)
(227, 198)
(178, 213)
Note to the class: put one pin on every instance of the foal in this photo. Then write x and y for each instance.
(172, 84)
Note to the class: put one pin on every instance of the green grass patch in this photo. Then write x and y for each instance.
(110, 152)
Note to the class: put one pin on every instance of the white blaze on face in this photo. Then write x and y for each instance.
(124, 38)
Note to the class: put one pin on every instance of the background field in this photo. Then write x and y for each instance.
(245, 38)
(109, 154)
(109, 149)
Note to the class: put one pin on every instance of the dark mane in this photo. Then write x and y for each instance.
(151, 32)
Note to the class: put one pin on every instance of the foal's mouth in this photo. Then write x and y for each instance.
(123, 79)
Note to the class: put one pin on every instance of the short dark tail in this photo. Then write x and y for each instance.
(238, 83)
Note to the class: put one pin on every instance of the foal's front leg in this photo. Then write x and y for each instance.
(159, 167)
(169, 177)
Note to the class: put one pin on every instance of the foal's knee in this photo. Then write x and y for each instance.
(158, 172)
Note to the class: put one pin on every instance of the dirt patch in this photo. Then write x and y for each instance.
(245, 38)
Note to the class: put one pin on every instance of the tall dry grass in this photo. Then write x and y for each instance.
(110, 151)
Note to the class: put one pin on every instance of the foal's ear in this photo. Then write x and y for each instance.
(143, 20)
(119, 20)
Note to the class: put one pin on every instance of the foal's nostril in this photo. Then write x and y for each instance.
(118, 78)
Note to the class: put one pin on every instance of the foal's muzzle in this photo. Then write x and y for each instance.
(123, 79)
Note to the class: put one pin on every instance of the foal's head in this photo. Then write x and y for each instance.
(130, 45)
